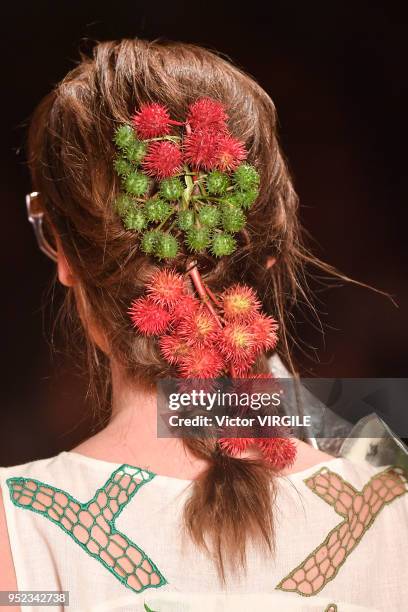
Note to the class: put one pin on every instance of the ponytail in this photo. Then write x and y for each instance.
(230, 504)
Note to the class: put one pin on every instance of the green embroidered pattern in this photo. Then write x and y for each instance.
(359, 510)
(331, 608)
(92, 524)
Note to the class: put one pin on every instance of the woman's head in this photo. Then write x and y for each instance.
(71, 152)
(71, 155)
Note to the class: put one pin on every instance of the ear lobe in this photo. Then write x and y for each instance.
(271, 261)
(65, 275)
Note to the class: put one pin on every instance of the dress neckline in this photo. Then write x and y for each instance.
(93, 461)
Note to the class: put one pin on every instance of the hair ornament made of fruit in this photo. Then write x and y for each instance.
(189, 181)
(194, 187)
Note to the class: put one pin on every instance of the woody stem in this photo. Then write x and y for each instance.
(201, 290)
(212, 296)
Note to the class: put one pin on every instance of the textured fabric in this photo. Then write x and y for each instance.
(112, 536)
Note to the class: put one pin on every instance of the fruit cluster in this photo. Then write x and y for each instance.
(193, 184)
(203, 341)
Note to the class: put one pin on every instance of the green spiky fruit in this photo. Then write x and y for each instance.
(223, 244)
(217, 182)
(198, 238)
(246, 177)
(135, 220)
(166, 246)
(209, 215)
(136, 151)
(148, 242)
(157, 210)
(171, 188)
(247, 198)
(232, 199)
(136, 183)
(124, 136)
(122, 166)
(185, 219)
(123, 203)
(233, 218)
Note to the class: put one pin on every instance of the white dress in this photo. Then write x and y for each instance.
(112, 536)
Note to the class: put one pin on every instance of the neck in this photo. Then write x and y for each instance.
(131, 436)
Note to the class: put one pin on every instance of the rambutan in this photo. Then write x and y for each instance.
(201, 149)
(148, 317)
(152, 120)
(202, 362)
(231, 152)
(240, 303)
(235, 446)
(163, 159)
(237, 342)
(184, 308)
(173, 348)
(242, 366)
(279, 452)
(166, 288)
(200, 328)
(207, 113)
(264, 329)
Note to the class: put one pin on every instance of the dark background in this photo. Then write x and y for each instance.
(337, 74)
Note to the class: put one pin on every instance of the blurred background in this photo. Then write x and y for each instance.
(337, 74)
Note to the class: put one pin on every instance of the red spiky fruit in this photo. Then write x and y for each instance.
(149, 317)
(152, 120)
(242, 366)
(231, 152)
(236, 342)
(202, 362)
(163, 159)
(166, 288)
(201, 149)
(279, 452)
(240, 303)
(207, 113)
(264, 329)
(199, 329)
(235, 446)
(173, 348)
(186, 306)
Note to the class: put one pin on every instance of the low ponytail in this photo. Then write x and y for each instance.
(231, 503)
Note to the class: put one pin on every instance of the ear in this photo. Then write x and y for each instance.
(271, 261)
(65, 275)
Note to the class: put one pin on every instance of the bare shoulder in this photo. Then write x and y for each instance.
(8, 580)
(307, 457)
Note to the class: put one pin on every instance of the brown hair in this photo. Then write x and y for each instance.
(71, 153)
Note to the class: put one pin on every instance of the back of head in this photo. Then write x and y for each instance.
(71, 153)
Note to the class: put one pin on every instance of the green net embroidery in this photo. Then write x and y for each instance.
(92, 524)
(359, 510)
